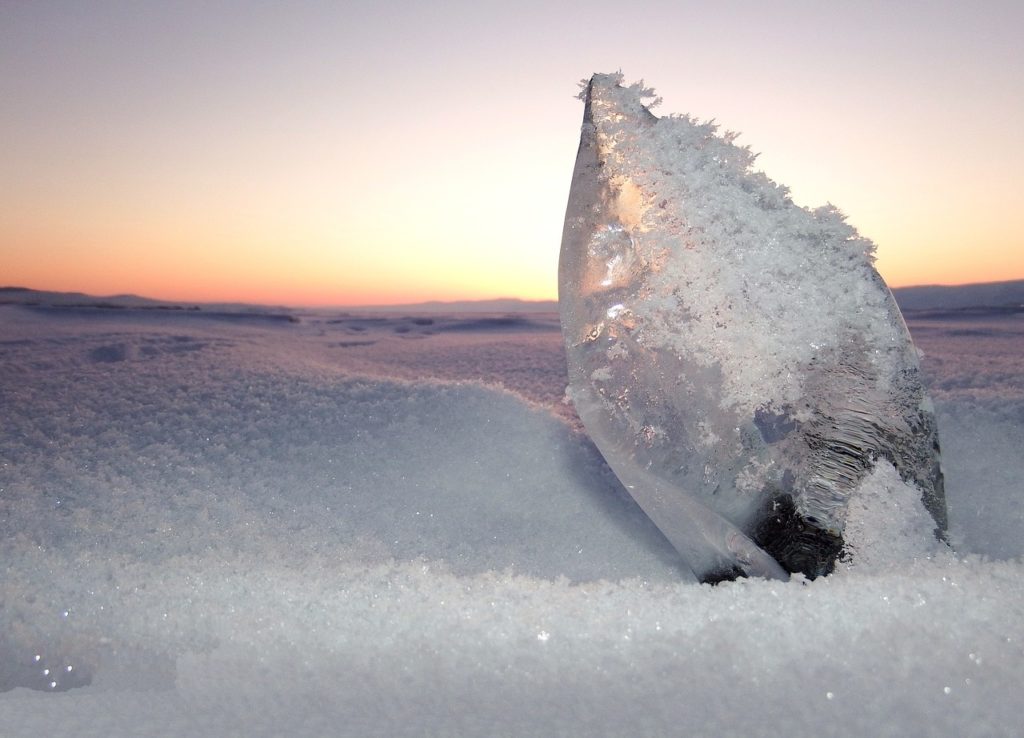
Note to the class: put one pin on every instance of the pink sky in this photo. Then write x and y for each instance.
(364, 153)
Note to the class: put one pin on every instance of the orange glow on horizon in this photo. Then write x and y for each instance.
(272, 262)
(272, 282)
(296, 290)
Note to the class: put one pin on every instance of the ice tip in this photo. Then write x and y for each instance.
(600, 79)
(606, 81)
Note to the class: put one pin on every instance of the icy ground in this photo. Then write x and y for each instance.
(348, 525)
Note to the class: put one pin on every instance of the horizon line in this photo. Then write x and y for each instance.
(363, 306)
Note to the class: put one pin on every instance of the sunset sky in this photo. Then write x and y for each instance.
(337, 153)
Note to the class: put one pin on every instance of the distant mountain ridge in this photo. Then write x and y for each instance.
(27, 296)
(958, 297)
(1009, 294)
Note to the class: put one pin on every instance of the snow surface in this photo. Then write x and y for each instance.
(369, 525)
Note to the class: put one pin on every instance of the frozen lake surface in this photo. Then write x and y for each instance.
(312, 523)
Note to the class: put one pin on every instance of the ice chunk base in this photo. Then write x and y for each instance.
(736, 358)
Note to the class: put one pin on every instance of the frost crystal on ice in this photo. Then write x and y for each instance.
(736, 358)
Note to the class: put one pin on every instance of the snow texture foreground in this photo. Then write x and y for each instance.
(736, 358)
(393, 526)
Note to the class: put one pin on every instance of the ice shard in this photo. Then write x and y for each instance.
(736, 358)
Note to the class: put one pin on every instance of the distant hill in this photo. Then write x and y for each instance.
(26, 296)
(941, 297)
